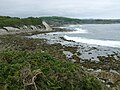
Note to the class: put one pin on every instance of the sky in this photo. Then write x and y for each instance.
(103, 9)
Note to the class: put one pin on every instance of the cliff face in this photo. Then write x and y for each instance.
(25, 28)
(48, 28)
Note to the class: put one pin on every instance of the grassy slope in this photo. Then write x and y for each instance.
(53, 72)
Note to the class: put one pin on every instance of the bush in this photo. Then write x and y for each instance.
(6, 21)
(17, 67)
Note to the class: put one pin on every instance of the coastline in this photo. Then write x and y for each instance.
(63, 49)
(96, 59)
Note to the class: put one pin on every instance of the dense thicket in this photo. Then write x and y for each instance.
(17, 22)
(18, 68)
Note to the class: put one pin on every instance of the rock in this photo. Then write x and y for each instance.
(73, 60)
(110, 77)
(9, 29)
(3, 31)
(24, 27)
(48, 28)
(68, 54)
(33, 27)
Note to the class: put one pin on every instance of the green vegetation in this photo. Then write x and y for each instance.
(17, 22)
(31, 63)
(17, 67)
(54, 21)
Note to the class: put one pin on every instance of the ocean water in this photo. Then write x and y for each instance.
(95, 34)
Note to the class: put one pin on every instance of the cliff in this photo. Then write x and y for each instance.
(26, 28)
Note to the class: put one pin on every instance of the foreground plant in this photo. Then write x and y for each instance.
(39, 71)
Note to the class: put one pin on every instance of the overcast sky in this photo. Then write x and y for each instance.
(69, 8)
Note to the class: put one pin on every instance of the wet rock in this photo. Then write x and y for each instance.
(68, 54)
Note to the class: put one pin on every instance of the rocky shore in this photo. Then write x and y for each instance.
(102, 63)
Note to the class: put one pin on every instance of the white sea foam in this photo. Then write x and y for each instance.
(78, 25)
(81, 31)
(108, 43)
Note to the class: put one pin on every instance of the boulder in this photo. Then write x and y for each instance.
(33, 27)
(2, 30)
(9, 29)
(48, 28)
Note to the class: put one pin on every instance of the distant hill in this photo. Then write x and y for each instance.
(58, 21)
(6, 21)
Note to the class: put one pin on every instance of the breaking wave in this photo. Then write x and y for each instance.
(79, 30)
(108, 43)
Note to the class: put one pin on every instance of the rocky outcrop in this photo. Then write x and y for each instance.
(31, 28)
(24, 28)
(110, 78)
(48, 28)
(9, 29)
(2, 31)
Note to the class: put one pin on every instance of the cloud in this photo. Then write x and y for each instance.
(71, 8)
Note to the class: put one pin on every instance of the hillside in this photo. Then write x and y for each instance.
(6, 21)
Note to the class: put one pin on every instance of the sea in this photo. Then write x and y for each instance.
(95, 34)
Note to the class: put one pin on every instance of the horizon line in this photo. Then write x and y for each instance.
(62, 16)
